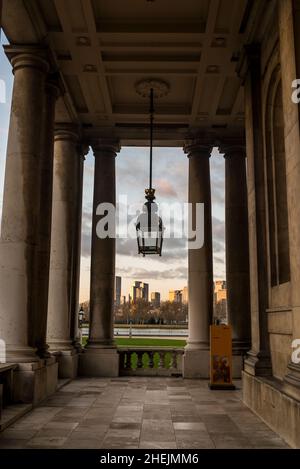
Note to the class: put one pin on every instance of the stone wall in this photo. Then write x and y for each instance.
(278, 410)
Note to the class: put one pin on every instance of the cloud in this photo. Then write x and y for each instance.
(126, 247)
(86, 243)
(132, 169)
(167, 274)
(173, 249)
(170, 171)
(219, 260)
(218, 233)
(86, 232)
(170, 179)
(217, 164)
(89, 172)
(165, 188)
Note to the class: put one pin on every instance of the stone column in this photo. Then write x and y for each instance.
(39, 310)
(61, 259)
(82, 151)
(21, 201)
(237, 252)
(200, 281)
(289, 33)
(101, 357)
(258, 360)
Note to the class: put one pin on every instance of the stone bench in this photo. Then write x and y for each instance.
(6, 384)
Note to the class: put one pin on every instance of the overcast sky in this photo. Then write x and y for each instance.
(170, 178)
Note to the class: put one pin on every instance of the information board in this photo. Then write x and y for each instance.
(221, 357)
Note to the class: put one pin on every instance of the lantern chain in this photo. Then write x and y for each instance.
(151, 133)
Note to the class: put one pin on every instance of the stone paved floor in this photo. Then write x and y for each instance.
(140, 413)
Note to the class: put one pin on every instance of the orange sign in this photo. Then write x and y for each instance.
(221, 357)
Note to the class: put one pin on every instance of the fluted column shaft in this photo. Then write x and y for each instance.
(237, 246)
(82, 151)
(100, 357)
(38, 329)
(200, 263)
(62, 238)
(258, 360)
(21, 201)
(200, 270)
(103, 251)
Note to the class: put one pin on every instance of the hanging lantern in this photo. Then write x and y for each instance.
(149, 226)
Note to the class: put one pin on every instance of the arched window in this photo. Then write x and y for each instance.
(276, 184)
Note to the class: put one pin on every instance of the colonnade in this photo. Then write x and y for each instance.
(40, 238)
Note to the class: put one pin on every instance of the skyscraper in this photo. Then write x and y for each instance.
(220, 290)
(118, 291)
(155, 299)
(140, 291)
(175, 296)
(220, 299)
(145, 287)
(185, 295)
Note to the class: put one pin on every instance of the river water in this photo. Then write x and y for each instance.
(144, 332)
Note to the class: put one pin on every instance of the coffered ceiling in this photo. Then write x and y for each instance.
(104, 47)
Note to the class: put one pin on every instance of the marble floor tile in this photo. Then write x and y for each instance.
(133, 412)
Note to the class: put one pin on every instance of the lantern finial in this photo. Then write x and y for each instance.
(150, 194)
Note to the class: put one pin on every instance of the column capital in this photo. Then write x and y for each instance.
(68, 132)
(250, 57)
(83, 149)
(253, 51)
(28, 57)
(54, 85)
(52, 89)
(296, 5)
(291, 381)
(103, 145)
(233, 149)
(197, 147)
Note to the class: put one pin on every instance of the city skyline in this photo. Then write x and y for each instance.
(170, 270)
(220, 291)
(170, 178)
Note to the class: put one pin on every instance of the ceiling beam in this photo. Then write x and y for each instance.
(92, 31)
(211, 21)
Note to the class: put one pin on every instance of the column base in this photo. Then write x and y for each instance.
(16, 354)
(67, 363)
(51, 375)
(267, 399)
(99, 362)
(33, 382)
(77, 346)
(239, 354)
(291, 383)
(195, 363)
(258, 364)
(237, 365)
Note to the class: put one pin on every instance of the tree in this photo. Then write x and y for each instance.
(86, 308)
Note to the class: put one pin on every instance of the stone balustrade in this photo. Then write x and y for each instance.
(150, 361)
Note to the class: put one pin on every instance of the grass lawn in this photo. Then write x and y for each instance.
(147, 342)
